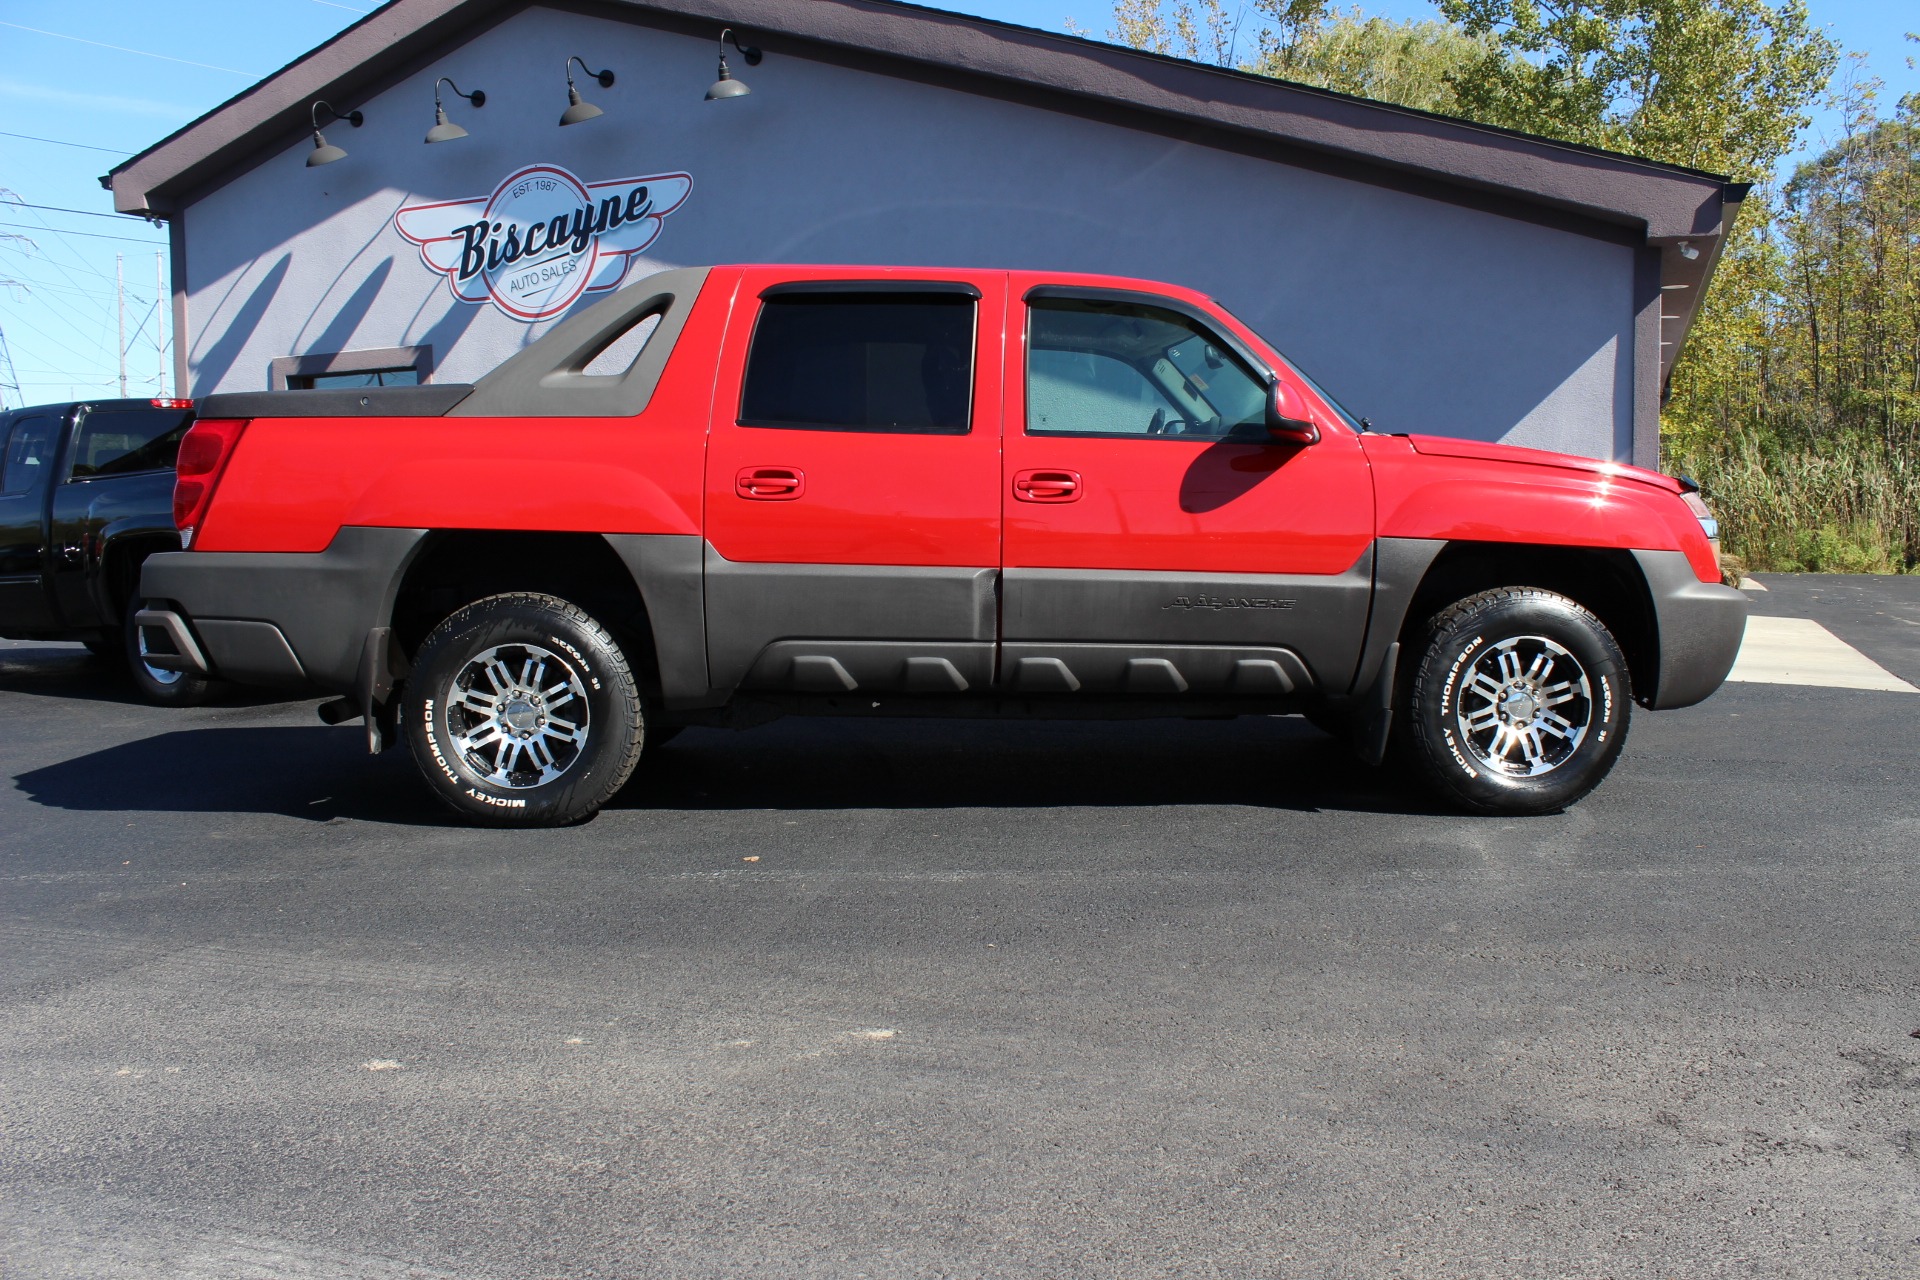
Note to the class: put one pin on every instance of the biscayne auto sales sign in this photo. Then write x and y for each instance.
(543, 238)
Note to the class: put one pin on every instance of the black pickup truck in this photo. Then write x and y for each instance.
(86, 495)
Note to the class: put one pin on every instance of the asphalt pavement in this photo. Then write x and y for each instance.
(912, 998)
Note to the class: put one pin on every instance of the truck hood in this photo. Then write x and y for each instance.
(1452, 447)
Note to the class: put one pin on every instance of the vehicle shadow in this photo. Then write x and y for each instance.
(318, 773)
(1259, 761)
(69, 671)
(312, 772)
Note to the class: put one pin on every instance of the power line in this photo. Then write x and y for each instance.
(60, 208)
(112, 151)
(151, 244)
(117, 48)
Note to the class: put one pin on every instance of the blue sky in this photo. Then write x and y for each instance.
(102, 79)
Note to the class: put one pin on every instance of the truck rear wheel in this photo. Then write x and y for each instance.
(522, 711)
(1519, 703)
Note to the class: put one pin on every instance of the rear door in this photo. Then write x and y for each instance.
(30, 443)
(853, 474)
(1158, 540)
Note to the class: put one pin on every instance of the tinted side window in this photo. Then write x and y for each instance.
(862, 362)
(1125, 369)
(118, 442)
(29, 454)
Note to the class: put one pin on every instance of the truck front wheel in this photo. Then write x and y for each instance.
(1518, 704)
(522, 711)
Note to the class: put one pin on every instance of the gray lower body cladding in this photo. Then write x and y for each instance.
(1700, 626)
(287, 618)
(303, 620)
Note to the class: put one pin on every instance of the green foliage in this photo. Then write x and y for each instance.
(1721, 85)
(1308, 42)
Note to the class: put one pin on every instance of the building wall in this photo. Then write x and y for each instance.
(1422, 315)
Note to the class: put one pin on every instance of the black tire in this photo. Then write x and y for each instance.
(1518, 704)
(490, 751)
(161, 688)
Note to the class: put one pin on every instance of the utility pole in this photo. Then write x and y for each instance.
(12, 382)
(120, 299)
(159, 330)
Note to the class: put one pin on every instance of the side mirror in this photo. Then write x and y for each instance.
(1287, 420)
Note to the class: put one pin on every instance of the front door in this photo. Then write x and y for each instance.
(1158, 540)
(852, 494)
(29, 442)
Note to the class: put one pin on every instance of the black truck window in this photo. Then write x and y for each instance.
(120, 442)
(29, 453)
(843, 361)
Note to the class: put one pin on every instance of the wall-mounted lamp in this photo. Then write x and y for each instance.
(444, 130)
(726, 86)
(576, 109)
(325, 152)
(1687, 250)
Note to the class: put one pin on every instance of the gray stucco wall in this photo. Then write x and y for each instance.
(1423, 315)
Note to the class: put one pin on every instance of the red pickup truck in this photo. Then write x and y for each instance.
(728, 493)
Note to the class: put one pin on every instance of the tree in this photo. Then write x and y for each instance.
(1308, 42)
(1721, 85)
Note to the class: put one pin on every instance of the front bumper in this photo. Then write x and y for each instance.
(289, 619)
(1699, 627)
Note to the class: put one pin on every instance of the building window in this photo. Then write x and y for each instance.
(342, 381)
(349, 370)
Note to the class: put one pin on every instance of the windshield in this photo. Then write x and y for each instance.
(1350, 419)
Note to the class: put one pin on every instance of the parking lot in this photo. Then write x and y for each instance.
(906, 998)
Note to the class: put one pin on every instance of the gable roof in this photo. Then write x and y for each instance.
(1683, 212)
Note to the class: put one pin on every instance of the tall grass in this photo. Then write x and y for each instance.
(1853, 509)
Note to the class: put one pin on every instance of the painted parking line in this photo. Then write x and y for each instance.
(1801, 651)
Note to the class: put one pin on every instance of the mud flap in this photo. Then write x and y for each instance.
(1375, 722)
(382, 666)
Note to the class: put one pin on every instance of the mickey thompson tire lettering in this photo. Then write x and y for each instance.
(455, 721)
(1518, 703)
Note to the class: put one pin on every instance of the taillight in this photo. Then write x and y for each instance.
(204, 451)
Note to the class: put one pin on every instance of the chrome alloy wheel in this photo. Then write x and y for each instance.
(1524, 707)
(518, 714)
(157, 674)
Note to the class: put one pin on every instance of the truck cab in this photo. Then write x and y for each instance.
(86, 494)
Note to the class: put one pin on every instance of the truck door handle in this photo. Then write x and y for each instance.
(770, 484)
(1046, 486)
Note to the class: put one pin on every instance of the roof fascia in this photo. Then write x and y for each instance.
(1658, 201)
(198, 154)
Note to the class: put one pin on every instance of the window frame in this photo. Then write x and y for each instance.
(1226, 339)
(77, 430)
(912, 288)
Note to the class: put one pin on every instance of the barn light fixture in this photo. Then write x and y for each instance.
(444, 130)
(325, 152)
(726, 86)
(578, 110)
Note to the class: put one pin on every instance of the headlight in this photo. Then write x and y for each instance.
(1701, 513)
